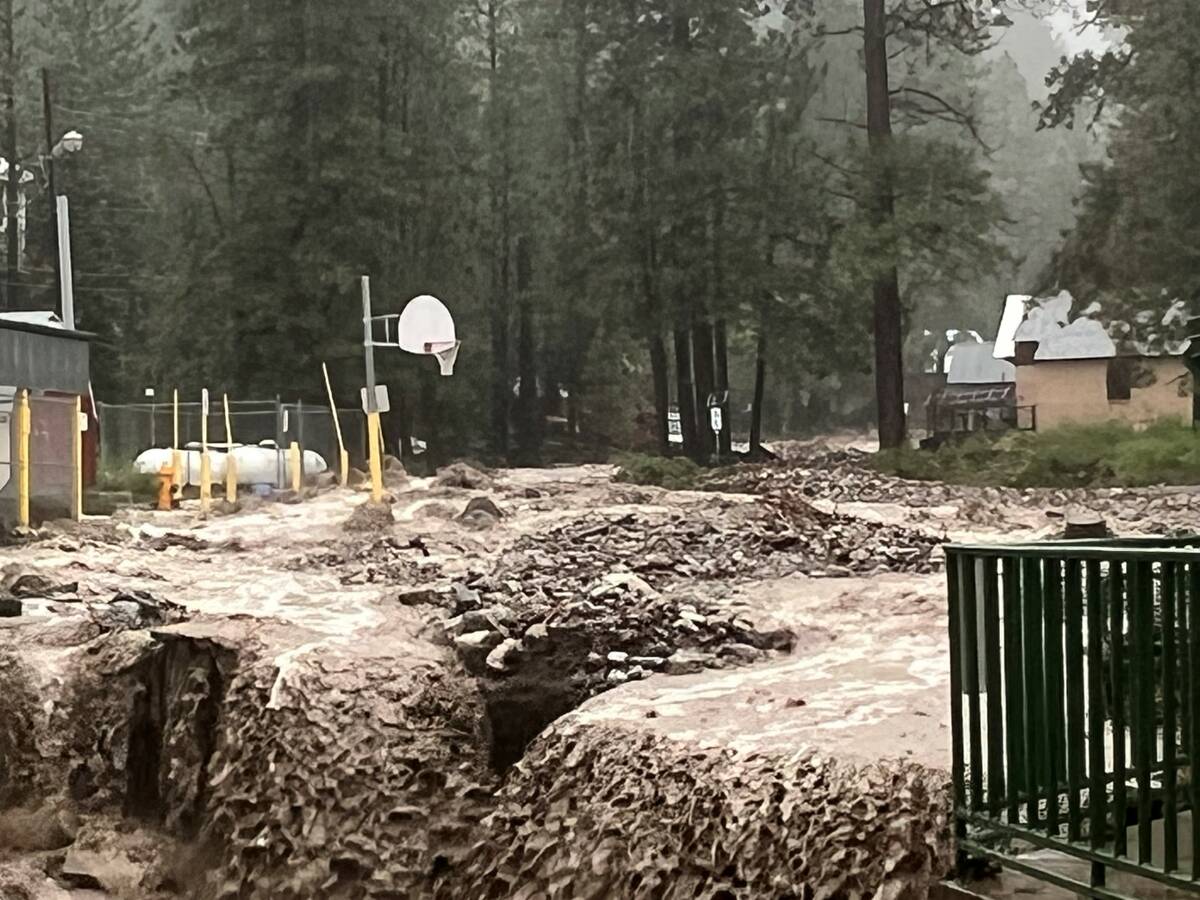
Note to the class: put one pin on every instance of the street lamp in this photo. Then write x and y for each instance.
(71, 142)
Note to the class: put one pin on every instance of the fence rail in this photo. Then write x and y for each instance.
(1076, 713)
(127, 429)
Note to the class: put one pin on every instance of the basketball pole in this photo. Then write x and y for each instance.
(373, 424)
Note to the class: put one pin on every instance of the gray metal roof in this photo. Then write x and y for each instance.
(43, 357)
(971, 363)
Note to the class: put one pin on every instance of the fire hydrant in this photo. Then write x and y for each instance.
(166, 481)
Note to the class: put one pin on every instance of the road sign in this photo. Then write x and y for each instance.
(382, 403)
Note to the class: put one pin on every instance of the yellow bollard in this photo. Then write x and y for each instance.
(166, 482)
(296, 462)
(376, 465)
(176, 456)
(24, 429)
(77, 461)
(231, 482)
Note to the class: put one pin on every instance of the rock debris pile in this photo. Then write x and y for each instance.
(351, 777)
(386, 560)
(844, 476)
(663, 818)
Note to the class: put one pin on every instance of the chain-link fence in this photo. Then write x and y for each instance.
(128, 429)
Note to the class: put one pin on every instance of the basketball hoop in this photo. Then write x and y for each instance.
(446, 355)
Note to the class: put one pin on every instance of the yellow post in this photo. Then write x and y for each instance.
(231, 482)
(176, 456)
(295, 461)
(344, 457)
(373, 429)
(205, 462)
(24, 428)
(77, 461)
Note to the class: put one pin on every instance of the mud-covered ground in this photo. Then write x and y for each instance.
(529, 683)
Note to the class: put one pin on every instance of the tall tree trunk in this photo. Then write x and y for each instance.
(682, 151)
(647, 258)
(528, 418)
(720, 336)
(498, 301)
(889, 363)
(760, 383)
(721, 351)
(702, 366)
(662, 390)
(686, 391)
(577, 291)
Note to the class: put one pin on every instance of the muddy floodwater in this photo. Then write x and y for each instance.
(520, 683)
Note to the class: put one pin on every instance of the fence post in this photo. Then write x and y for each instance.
(176, 456)
(24, 428)
(280, 474)
(295, 461)
(300, 433)
(205, 462)
(231, 482)
(79, 424)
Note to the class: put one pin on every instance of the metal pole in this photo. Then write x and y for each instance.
(176, 456)
(372, 406)
(205, 461)
(12, 186)
(64, 263)
(51, 188)
(231, 481)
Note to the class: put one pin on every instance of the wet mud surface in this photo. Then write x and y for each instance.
(577, 688)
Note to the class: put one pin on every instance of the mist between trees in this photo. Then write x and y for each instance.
(629, 204)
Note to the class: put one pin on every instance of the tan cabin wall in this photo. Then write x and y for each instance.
(1072, 391)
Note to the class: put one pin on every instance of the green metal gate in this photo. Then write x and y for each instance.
(1076, 713)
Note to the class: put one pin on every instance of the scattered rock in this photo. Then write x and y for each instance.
(9, 607)
(616, 656)
(422, 597)
(501, 657)
(484, 505)
(370, 517)
(174, 539)
(435, 510)
(537, 633)
(1083, 525)
(478, 520)
(461, 475)
(474, 640)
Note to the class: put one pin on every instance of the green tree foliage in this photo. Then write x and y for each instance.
(619, 200)
(1137, 227)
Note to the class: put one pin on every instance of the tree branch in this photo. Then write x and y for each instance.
(946, 112)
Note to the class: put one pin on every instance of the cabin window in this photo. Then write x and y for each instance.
(1120, 379)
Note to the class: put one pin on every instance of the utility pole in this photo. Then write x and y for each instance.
(889, 362)
(12, 187)
(372, 407)
(52, 190)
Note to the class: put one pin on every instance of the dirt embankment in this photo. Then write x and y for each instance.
(319, 712)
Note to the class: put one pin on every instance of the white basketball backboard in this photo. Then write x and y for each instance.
(425, 326)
